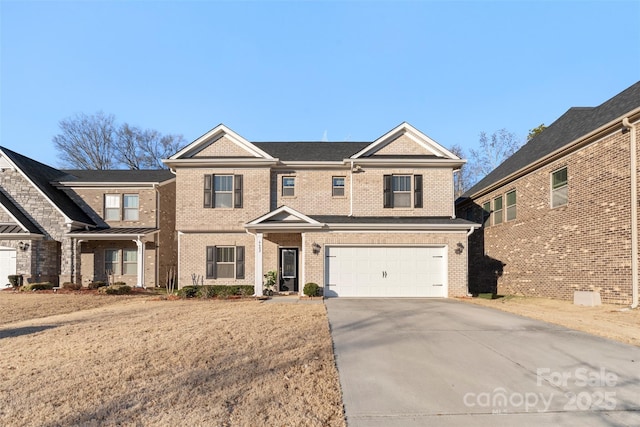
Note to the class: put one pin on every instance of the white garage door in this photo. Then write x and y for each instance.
(7, 264)
(385, 271)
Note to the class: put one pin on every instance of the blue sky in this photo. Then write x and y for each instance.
(288, 71)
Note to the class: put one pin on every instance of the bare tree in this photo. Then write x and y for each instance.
(462, 177)
(96, 142)
(491, 152)
(87, 142)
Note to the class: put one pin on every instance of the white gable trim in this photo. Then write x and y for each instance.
(215, 134)
(412, 133)
(15, 220)
(284, 209)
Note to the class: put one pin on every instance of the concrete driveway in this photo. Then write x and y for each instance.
(418, 362)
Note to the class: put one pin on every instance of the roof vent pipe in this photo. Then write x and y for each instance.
(634, 210)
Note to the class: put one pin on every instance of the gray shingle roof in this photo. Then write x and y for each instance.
(42, 176)
(18, 215)
(311, 151)
(573, 124)
(118, 176)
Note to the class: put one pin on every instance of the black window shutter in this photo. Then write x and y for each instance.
(417, 191)
(237, 191)
(208, 191)
(211, 262)
(388, 194)
(239, 262)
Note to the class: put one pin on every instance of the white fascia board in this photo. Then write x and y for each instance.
(414, 134)
(15, 220)
(93, 236)
(216, 133)
(67, 220)
(406, 162)
(221, 162)
(108, 185)
(400, 226)
(311, 164)
(283, 227)
(21, 236)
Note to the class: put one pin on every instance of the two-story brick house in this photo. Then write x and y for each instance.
(560, 215)
(80, 226)
(358, 218)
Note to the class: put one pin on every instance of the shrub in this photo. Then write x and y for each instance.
(97, 284)
(188, 292)
(120, 284)
(224, 291)
(246, 290)
(38, 286)
(206, 292)
(15, 280)
(116, 290)
(71, 286)
(311, 289)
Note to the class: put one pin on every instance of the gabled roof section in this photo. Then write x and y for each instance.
(430, 147)
(570, 128)
(214, 135)
(284, 215)
(21, 220)
(308, 151)
(41, 176)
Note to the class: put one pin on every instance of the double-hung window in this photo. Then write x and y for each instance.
(402, 191)
(511, 205)
(130, 261)
(288, 186)
(559, 188)
(112, 261)
(337, 186)
(121, 261)
(131, 203)
(112, 207)
(225, 262)
(223, 191)
(497, 210)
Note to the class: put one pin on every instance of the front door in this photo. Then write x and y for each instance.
(288, 269)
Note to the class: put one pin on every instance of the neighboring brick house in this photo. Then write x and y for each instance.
(85, 225)
(358, 218)
(560, 215)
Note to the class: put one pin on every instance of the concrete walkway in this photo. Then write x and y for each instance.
(417, 362)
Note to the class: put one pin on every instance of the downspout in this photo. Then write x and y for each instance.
(634, 211)
(351, 189)
(469, 233)
(157, 278)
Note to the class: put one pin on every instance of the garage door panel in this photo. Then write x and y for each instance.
(379, 271)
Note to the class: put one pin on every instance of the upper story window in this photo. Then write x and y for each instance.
(497, 210)
(119, 207)
(337, 186)
(131, 204)
(401, 191)
(223, 191)
(288, 186)
(559, 188)
(112, 207)
(511, 205)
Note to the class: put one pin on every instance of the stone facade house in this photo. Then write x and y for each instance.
(560, 215)
(79, 226)
(358, 218)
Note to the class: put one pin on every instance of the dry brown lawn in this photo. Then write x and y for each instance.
(138, 361)
(610, 321)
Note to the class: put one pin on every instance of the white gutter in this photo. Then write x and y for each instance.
(634, 211)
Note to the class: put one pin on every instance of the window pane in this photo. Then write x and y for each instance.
(511, 213)
(402, 200)
(559, 178)
(223, 183)
(130, 261)
(338, 181)
(497, 204)
(226, 271)
(288, 186)
(486, 212)
(401, 183)
(111, 261)
(560, 197)
(112, 201)
(511, 198)
(225, 257)
(223, 200)
(224, 254)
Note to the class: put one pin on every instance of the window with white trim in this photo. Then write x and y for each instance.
(497, 210)
(225, 262)
(337, 186)
(130, 261)
(131, 203)
(223, 191)
(402, 191)
(112, 261)
(121, 261)
(559, 188)
(112, 207)
(288, 186)
(511, 205)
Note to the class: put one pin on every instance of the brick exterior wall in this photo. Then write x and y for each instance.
(552, 252)
(91, 200)
(223, 147)
(403, 146)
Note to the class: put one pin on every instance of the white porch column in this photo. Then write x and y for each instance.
(258, 263)
(140, 245)
(303, 251)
